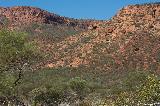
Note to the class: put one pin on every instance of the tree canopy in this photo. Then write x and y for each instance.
(15, 50)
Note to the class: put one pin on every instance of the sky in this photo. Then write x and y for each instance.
(80, 9)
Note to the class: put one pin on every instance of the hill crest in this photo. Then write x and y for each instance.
(22, 15)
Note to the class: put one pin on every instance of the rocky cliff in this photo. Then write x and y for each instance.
(22, 15)
(129, 41)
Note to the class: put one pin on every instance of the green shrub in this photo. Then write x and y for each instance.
(79, 86)
(52, 97)
(148, 92)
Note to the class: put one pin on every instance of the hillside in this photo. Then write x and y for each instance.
(130, 40)
(112, 59)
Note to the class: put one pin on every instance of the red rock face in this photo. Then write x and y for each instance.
(26, 15)
(146, 13)
(129, 40)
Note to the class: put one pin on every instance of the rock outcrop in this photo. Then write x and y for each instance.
(22, 15)
(129, 41)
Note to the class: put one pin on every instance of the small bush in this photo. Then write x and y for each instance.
(79, 86)
(52, 97)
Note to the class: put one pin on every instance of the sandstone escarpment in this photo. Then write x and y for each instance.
(130, 40)
(22, 15)
(147, 15)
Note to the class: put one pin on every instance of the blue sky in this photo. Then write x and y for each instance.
(85, 9)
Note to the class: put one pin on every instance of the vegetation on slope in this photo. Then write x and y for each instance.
(114, 63)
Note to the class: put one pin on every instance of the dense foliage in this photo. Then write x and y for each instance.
(17, 55)
(15, 50)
